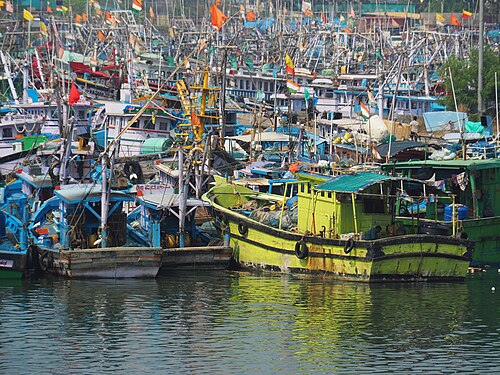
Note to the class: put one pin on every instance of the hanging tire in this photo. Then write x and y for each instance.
(349, 245)
(243, 229)
(301, 250)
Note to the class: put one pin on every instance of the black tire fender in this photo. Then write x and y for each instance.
(301, 250)
(349, 245)
(243, 229)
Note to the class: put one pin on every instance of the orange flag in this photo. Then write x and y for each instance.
(78, 19)
(454, 21)
(250, 15)
(49, 9)
(84, 17)
(101, 36)
(218, 18)
(151, 12)
(109, 19)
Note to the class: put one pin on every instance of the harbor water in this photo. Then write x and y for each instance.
(238, 323)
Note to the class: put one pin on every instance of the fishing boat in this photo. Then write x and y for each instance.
(71, 239)
(14, 247)
(347, 227)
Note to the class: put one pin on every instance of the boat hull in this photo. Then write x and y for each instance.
(402, 258)
(13, 265)
(114, 263)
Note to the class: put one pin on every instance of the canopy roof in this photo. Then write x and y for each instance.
(469, 164)
(352, 183)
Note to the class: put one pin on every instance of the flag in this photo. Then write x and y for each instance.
(292, 86)
(49, 9)
(454, 21)
(108, 17)
(307, 96)
(218, 18)
(78, 19)
(8, 7)
(439, 19)
(27, 15)
(74, 94)
(151, 12)
(371, 98)
(84, 17)
(59, 5)
(101, 36)
(43, 25)
(352, 14)
(307, 9)
(290, 68)
(365, 111)
(195, 120)
(250, 15)
(60, 51)
(137, 6)
(466, 14)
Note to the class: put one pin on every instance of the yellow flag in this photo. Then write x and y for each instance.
(27, 15)
(439, 18)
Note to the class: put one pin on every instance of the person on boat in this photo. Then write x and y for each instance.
(373, 234)
(414, 129)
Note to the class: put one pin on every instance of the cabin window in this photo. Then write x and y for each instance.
(148, 124)
(323, 194)
(266, 86)
(53, 114)
(163, 125)
(7, 133)
(135, 125)
(302, 188)
(373, 206)
(308, 188)
(247, 85)
(330, 195)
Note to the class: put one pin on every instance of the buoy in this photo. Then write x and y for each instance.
(492, 288)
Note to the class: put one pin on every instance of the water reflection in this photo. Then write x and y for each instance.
(222, 322)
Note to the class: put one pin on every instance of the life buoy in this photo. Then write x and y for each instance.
(301, 250)
(349, 245)
(196, 155)
(52, 175)
(243, 229)
(133, 171)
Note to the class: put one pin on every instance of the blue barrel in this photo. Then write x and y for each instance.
(460, 209)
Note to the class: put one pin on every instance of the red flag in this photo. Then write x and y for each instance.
(454, 21)
(218, 18)
(74, 94)
(466, 14)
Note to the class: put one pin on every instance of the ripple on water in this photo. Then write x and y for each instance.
(219, 322)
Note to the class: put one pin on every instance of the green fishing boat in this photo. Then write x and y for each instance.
(345, 227)
(474, 183)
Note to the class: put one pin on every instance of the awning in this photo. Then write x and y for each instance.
(352, 183)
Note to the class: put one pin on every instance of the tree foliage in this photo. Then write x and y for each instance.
(464, 71)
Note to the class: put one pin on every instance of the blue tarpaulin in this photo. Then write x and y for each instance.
(444, 121)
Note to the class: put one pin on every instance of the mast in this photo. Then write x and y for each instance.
(480, 62)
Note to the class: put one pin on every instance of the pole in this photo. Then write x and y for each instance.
(182, 201)
(496, 104)
(480, 62)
